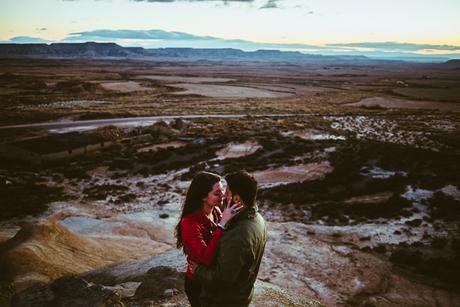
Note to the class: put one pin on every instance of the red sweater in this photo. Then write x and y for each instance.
(200, 236)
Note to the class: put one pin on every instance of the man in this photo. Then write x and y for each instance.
(230, 281)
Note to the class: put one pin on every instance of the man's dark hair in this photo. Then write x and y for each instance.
(243, 184)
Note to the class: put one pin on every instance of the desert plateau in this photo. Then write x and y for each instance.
(357, 164)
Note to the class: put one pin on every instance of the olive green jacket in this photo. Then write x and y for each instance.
(230, 281)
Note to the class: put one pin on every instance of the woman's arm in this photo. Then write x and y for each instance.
(194, 242)
(193, 239)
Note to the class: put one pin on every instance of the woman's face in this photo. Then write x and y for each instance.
(215, 196)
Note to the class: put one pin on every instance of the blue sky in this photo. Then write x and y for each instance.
(400, 26)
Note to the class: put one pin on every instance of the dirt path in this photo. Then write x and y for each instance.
(132, 121)
(394, 103)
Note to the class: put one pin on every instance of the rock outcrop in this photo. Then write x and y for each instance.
(301, 259)
(134, 271)
(302, 266)
(47, 251)
(68, 291)
(161, 283)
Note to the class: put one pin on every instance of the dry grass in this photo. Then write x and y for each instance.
(27, 84)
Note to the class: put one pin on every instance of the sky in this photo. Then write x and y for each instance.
(418, 27)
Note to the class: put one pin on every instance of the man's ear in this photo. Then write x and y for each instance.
(237, 198)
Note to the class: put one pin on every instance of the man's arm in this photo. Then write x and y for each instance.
(231, 258)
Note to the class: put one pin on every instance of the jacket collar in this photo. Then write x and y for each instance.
(200, 216)
(246, 214)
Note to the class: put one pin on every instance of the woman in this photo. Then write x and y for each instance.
(201, 225)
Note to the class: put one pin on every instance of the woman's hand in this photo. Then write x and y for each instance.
(192, 265)
(230, 211)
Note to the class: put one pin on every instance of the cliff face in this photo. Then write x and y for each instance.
(112, 50)
(85, 50)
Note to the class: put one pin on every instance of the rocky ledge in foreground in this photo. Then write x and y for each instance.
(160, 286)
(303, 264)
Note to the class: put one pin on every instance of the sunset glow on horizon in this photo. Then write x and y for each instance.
(288, 22)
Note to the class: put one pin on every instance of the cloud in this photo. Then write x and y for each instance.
(166, 1)
(170, 1)
(271, 4)
(41, 29)
(27, 40)
(156, 38)
(395, 46)
(105, 34)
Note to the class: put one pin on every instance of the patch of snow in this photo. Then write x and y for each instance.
(314, 135)
(416, 195)
(382, 130)
(451, 190)
(379, 173)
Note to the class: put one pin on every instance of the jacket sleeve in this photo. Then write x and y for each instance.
(195, 244)
(231, 259)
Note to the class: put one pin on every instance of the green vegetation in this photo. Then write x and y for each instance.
(26, 198)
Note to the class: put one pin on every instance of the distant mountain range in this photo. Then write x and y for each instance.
(158, 38)
(453, 64)
(83, 50)
(112, 50)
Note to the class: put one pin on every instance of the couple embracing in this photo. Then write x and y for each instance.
(223, 237)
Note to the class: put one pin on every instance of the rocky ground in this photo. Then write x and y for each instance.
(363, 205)
(349, 224)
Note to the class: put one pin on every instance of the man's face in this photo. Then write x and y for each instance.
(228, 195)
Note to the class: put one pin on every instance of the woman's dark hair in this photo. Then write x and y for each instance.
(243, 184)
(200, 187)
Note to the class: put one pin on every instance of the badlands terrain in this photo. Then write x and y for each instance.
(357, 166)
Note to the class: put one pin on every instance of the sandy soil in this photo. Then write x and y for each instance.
(441, 94)
(124, 87)
(283, 88)
(290, 174)
(179, 79)
(303, 88)
(387, 102)
(236, 150)
(212, 90)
